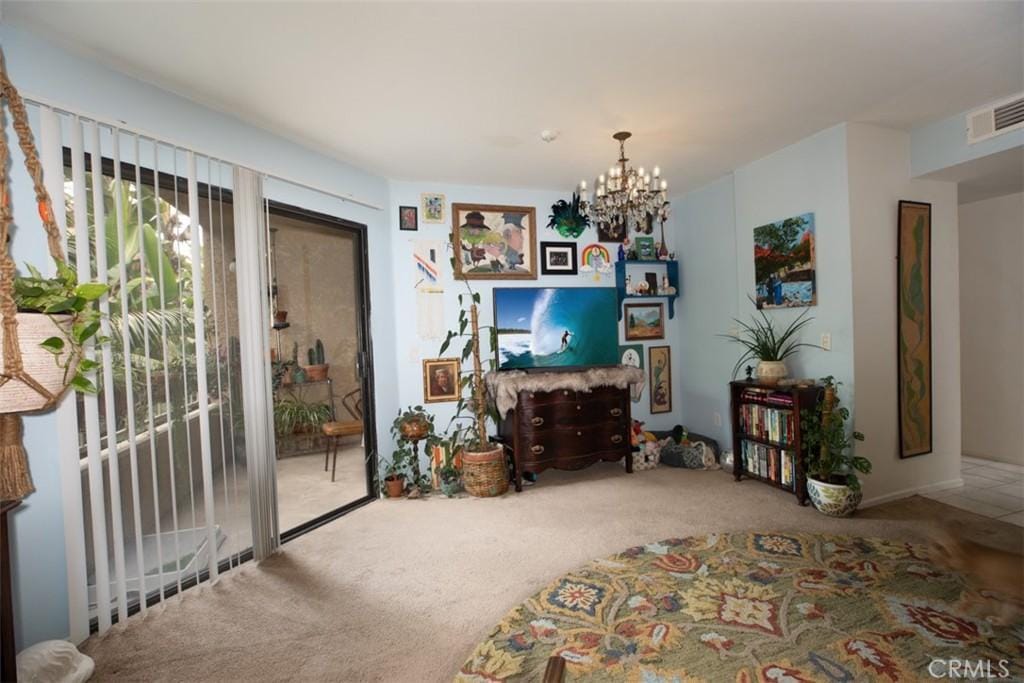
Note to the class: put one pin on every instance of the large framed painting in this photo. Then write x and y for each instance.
(914, 327)
(660, 368)
(494, 242)
(644, 321)
(784, 274)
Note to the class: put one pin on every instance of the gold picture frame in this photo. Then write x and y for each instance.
(441, 380)
(659, 365)
(494, 242)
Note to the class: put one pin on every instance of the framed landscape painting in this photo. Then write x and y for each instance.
(644, 321)
(494, 242)
(784, 275)
(660, 368)
(914, 327)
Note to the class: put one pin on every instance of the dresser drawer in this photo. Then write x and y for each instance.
(564, 443)
(586, 410)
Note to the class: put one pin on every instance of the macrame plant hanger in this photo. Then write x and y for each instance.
(32, 395)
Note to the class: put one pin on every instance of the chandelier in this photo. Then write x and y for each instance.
(626, 195)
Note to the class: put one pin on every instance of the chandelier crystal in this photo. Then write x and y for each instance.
(626, 195)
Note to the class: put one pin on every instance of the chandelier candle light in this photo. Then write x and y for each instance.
(626, 194)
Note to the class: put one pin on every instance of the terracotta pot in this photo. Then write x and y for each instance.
(280, 316)
(16, 396)
(395, 486)
(771, 371)
(316, 373)
(414, 428)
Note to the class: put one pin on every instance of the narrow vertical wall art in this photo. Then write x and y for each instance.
(914, 327)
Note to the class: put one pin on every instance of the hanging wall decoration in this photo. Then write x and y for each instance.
(660, 364)
(784, 257)
(558, 258)
(596, 260)
(494, 242)
(633, 355)
(567, 218)
(432, 206)
(426, 255)
(914, 327)
(407, 218)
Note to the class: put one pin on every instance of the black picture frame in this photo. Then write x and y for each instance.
(408, 218)
(558, 258)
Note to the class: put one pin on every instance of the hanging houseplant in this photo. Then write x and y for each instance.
(47, 324)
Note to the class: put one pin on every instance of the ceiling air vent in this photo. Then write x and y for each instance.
(995, 120)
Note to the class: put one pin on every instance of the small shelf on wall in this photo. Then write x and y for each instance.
(671, 270)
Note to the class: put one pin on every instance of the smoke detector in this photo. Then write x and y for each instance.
(548, 135)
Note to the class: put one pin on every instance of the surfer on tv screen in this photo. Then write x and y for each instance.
(565, 340)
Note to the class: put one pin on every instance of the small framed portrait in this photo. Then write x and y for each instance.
(644, 321)
(432, 205)
(558, 258)
(408, 218)
(440, 380)
(660, 367)
(645, 249)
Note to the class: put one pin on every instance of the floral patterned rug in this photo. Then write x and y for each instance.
(748, 607)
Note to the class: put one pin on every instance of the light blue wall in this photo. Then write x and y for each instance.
(716, 226)
(411, 349)
(943, 143)
(47, 72)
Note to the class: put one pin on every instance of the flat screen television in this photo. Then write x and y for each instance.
(556, 327)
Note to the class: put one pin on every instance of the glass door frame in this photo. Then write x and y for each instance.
(364, 359)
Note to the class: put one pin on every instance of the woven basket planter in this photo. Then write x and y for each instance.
(39, 364)
(484, 473)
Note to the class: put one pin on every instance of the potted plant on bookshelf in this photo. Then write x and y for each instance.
(832, 466)
(769, 348)
(484, 468)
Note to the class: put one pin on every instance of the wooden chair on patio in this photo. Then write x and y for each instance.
(335, 430)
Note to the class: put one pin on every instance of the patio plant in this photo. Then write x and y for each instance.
(292, 415)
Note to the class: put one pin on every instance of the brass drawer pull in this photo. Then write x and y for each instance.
(579, 433)
(536, 450)
(616, 412)
(617, 438)
(537, 421)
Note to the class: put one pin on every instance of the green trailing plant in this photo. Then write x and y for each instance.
(567, 218)
(62, 295)
(830, 443)
(761, 341)
(291, 414)
(316, 354)
(404, 458)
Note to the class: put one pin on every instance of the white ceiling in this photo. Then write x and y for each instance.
(459, 92)
(989, 176)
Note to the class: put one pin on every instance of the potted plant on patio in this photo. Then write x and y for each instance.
(484, 467)
(768, 347)
(832, 467)
(292, 416)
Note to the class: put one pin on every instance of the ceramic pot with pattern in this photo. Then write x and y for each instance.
(834, 500)
(771, 371)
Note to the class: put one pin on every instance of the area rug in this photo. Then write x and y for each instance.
(749, 607)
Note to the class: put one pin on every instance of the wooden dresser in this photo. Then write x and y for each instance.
(567, 430)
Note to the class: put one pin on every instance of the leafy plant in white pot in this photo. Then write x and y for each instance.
(832, 466)
(769, 348)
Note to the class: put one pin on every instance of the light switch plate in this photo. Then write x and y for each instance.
(826, 341)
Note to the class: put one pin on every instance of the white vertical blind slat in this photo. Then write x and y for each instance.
(97, 496)
(52, 158)
(199, 323)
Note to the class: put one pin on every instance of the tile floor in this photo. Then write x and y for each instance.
(992, 489)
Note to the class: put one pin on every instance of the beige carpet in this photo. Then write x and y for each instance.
(403, 590)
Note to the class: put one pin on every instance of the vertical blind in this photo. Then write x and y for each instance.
(156, 484)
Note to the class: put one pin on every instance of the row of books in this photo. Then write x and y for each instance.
(770, 463)
(771, 424)
(764, 395)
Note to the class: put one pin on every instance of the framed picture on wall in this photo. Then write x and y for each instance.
(784, 271)
(407, 218)
(644, 321)
(633, 355)
(659, 364)
(440, 380)
(432, 205)
(494, 242)
(914, 327)
(558, 258)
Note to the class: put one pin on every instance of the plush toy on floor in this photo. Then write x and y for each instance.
(646, 449)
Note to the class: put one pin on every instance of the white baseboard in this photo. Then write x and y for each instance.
(916, 491)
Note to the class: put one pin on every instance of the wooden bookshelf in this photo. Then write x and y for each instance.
(774, 413)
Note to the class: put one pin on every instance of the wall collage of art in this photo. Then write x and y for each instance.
(549, 327)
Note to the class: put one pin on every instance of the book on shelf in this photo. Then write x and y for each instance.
(770, 424)
(774, 464)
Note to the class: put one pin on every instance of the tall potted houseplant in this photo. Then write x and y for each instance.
(770, 348)
(484, 469)
(832, 466)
